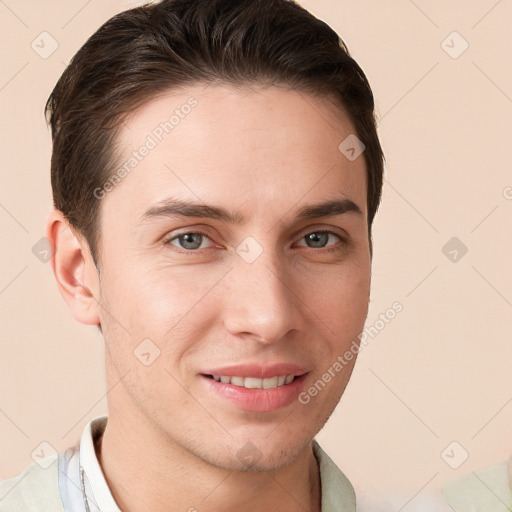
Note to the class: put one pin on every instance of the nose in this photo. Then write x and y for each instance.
(262, 300)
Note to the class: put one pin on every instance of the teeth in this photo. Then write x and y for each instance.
(269, 383)
(255, 383)
(237, 381)
(252, 383)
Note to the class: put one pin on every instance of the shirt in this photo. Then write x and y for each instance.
(484, 490)
(56, 483)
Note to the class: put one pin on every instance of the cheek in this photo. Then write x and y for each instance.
(156, 300)
(170, 308)
(343, 300)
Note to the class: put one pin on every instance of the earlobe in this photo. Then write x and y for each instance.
(74, 269)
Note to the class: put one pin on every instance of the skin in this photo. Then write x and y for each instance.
(265, 153)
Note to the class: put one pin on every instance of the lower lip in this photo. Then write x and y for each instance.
(257, 400)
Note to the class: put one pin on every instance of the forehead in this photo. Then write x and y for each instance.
(260, 148)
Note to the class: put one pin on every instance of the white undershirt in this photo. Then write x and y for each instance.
(70, 486)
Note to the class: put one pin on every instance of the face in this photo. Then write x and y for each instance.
(260, 287)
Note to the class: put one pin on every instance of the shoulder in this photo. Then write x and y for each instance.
(371, 500)
(485, 490)
(336, 488)
(34, 489)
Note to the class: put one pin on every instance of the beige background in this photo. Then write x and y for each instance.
(440, 371)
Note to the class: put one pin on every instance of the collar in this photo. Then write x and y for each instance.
(337, 492)
(94, 477)
(483, 490)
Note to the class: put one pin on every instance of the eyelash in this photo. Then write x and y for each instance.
(198, 251)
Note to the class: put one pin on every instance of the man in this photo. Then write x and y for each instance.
(215, 171)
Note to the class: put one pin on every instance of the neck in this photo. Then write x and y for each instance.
(159, 475)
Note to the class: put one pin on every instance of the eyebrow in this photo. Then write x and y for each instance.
(180, 208)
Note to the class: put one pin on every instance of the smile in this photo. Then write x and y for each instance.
(254, 382)
(256, 394)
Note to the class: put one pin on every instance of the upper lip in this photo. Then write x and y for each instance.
(257, 370)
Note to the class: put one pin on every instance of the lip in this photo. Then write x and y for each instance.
(256, 400)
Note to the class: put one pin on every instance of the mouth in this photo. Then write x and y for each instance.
(255, 382)
(255, 394)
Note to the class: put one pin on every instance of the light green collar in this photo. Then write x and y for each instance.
(485, 490)
(337, 492)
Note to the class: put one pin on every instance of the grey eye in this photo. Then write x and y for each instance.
(189, 241)
(317, 239)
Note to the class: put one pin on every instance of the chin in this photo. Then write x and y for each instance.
(261, 455)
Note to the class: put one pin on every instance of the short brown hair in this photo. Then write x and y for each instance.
(148, 50)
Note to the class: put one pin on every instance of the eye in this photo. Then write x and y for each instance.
(318, 239)
(190, 241)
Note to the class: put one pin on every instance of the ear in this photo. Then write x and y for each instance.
(74, 269)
